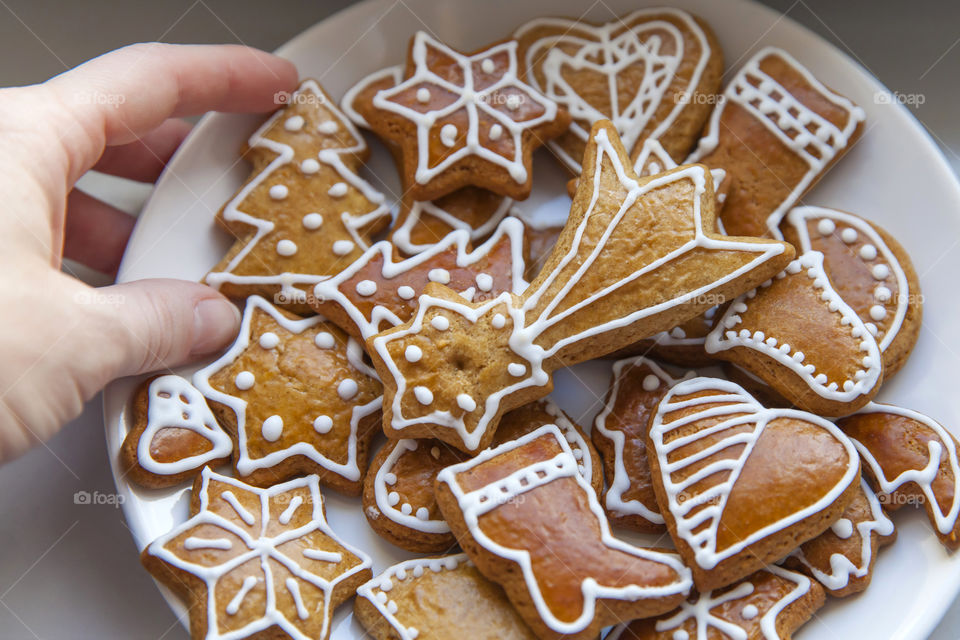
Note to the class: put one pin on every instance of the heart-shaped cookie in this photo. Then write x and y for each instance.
(644, 72)
(740, 485)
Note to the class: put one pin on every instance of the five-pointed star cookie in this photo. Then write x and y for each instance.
(253, 559)
(462, 120)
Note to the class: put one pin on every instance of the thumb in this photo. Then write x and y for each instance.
(160, 324)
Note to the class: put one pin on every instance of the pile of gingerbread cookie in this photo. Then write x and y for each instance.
(769, 480)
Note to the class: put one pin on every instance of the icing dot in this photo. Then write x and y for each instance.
(423, 513)
(406, 292)
(413, 353)
(439, 275)
(244, 380)
(390, 478)
(323, 424)
(342, 247)
(423, 395)
(347, 388)
(880, 271)
(269, 340)
(465, 402)
(286, 248)
(440, 323)
(327, 128)
(826, 226)
(279, 191)
(868, 252)
(338, 190)
(651, 382)
(366, 287)
(848, 235)
(406, 509)
(487, 66)
(393, 498)
(749, 612)
(272, 428)
(882, 294)
(484, 281)
(877, 312)
(293, 123)
(680, 634)
(513, 102)
(498, 321)
(324, 340)
(495, 132)
(309, 166)
(448, 135)
(516, 369)
(423, 95)
(842, 528)
(312, 221)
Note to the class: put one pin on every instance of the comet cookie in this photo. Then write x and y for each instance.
(869, 270)
(620, 435)
(636, 256)
(798, 335)
(910, 458)
(776, 132)
(531, 523)
(437, 598)
(304, 213)
(398, 497)
(647, 72)
(740, 485)
(174, 434)
(460, 120)
(256, 563)
(297, 397)
(378, 291)
(771, 604)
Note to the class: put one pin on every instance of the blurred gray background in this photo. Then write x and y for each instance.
(71, 571)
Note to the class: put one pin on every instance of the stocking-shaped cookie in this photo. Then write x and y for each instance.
(304, 213)
(378, 292)
(741, 485)
(648, 72)
(532, 524)
(910, 459)
(841, 558)
(174, 434)
(636, 256)
(769, 605)
(798, 335)
(776, 132)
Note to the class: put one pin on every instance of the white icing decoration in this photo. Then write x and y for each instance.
(337, 190)
(749, 612)
(327, 128)
(269, 340)
(498, 321)
(312, 221)
(286, 248)
(366, 287)
(484, 281)
(423, 95)
(495, 132)
(842, 528)
(193, 543)
(291, 509)
(342, 247)
(279, 191)
(736, 408)
(309, 166)
(324, 340)
(448, 135)
(293, 123)
(169, 398)
(516, 369)
(487, 66)
(470, 99)
(868, 252)
(424, 395)
(245, 380)
(826, 227)
(347, 388)
(272, 428)
(651, 382)
(234, 605)
(849, 235)
(323, 424)
(878, 312)
(439, 275)
(440, 323)
(413, 353)
(406, 292)
(752, 89)
(395, 74)
(465, 402)
(400, 235)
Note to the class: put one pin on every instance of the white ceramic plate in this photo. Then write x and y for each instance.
(895, 176)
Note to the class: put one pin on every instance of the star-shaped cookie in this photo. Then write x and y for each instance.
(250, 559)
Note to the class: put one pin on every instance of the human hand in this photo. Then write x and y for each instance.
(60, 340)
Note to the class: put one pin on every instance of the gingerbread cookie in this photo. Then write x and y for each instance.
(771, 604)
(636, 256)
(620, 435)
(304, 213)
(740, 485)
(841, 558)
(257, 563)
(398, 498)
(173, 435)
(378, 292)
(437, 599)
(462, 120)
(776, 131)
(871, 272)
(910, 459)
(798, 335)
(649, 72)
(297, 397)
(420, 225)
(532, 524)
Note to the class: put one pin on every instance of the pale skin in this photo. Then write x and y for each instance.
(61, 341)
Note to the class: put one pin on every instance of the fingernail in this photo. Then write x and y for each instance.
(215, 322)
